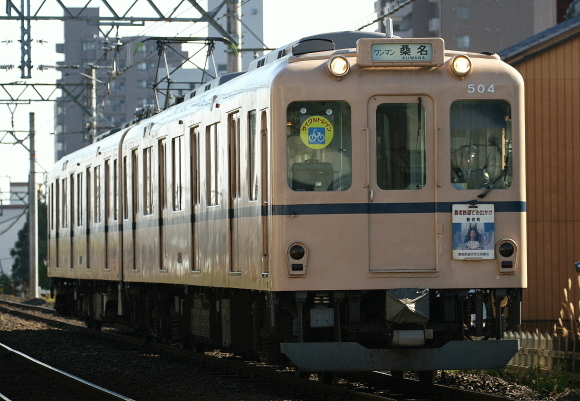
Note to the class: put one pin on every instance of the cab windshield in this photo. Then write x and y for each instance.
(319, 146)
(481, 138)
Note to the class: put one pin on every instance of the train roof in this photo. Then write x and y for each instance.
(212, 84)
(314, 44)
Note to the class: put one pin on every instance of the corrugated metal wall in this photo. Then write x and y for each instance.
(552, 82)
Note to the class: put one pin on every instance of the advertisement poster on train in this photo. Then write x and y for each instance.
(473, 232)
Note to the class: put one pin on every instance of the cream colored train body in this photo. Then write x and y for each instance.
(353, 206)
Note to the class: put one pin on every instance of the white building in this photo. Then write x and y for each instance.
(13, 208)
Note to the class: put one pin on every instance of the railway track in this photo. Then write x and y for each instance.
(70, 385)
(363, 387)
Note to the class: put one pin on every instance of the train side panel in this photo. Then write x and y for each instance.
(203, 217)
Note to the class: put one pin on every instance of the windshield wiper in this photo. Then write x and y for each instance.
(489, 187)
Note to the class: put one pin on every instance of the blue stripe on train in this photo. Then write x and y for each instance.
(385, 208)
(313, 209)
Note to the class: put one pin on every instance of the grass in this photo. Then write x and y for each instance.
(557, 380)
(545, 382)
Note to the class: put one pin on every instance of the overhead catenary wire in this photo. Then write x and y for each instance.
(15, 218)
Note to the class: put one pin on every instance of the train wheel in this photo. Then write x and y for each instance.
(427, 376)
(184, 343)
(62, 304)
(398, 374)
(330, 378)
(302, 375)
(94, 324)
(197, 347)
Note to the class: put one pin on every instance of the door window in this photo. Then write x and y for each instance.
(400, 147)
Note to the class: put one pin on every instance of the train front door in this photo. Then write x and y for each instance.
(402, 219)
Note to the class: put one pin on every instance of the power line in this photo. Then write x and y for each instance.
(119, 17)
(24, 212)
(390, 7)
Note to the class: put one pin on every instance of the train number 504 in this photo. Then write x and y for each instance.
(481, 88)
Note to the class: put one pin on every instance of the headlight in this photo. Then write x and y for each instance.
(461, 65)
(507, 253)
(338, 66)
(297, 252)
(506, 249)
(297, 259)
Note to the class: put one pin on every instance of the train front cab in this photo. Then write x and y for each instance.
(377, 227)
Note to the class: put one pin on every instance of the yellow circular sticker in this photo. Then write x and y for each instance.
(316, 132)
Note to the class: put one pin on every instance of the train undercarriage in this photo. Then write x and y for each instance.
(322, 331)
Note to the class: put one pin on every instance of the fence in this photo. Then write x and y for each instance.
(547, 351)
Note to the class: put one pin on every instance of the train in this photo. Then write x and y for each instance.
(352, 202)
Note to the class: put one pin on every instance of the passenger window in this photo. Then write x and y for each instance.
(400, 146)
(148, 181)
(194, 164)
(51, 206)
(178, 171)
(481, 140)
(115, 199)
(319, 146)
(212, 165)
(234, 148)
(97, 194)
(79, 199)
(252, 156)
(72, 201)
(88, 195)
(107, 192)
(162, 174)
(134, 183)
(64, 213)
(125, 188)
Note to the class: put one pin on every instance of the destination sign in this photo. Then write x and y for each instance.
(400, 52)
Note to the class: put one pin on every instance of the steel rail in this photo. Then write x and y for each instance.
(66, 378)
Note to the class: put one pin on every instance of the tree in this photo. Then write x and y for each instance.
(5, 284)
(21, 265)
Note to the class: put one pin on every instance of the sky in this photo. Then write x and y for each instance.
(284, 22)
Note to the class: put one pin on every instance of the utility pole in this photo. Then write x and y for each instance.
(32, 217)
(235, 31)
(93, 118)
(25, 39)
